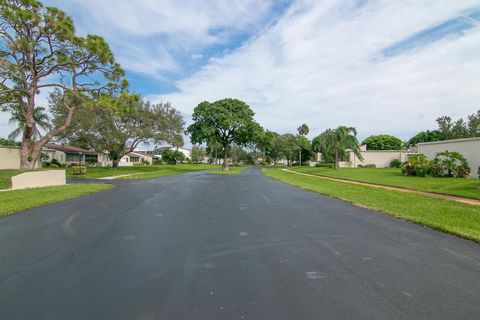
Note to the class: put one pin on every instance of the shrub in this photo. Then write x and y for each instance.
(417, 165)
(329, 165)
(366, 166)
(450, 164)
(91, 161)
(395, 163)
(173, 157)
(157, 161)
(55, 162)
(436, 170)
(79, 170)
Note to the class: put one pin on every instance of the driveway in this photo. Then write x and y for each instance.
(201, 246)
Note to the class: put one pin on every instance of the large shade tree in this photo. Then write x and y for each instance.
(227, 121)
(333, 143)
(288, 146)
(39, 51)
(119, 124)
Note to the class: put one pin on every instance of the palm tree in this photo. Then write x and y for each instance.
(333, 143)
(177, 141)
(42, 120)
(303, 130)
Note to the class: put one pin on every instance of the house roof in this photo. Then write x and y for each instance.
(68, 149)
(140, 153)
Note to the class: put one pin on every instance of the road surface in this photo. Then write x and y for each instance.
(201, 246)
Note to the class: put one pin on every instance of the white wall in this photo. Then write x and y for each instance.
(381, 159)
(36, 179)
(10, 158)
(469, 148)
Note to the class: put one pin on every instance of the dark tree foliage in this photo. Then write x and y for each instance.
(227, 122)
(383, 142)
(450, 129)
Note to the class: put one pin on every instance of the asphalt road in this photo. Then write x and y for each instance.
(200, 246)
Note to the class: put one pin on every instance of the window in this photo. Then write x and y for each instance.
(134, 159)
(91, 158)
(72, 157)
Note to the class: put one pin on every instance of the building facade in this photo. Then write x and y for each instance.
(135, 157)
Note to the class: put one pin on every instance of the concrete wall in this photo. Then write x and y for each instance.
(381, 159)
(37, 179)
(9, 158)
(469, 148)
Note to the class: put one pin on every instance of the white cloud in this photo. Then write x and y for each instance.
(319, 64)
(147, 36)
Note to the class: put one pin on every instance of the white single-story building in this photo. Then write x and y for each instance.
(379, 158)
(469, 148)
(135, 157)
(68, 155)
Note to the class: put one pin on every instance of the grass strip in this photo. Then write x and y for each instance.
(102, 172)
(467, 188)
(18, 200)
(445, 215)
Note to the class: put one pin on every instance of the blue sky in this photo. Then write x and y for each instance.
(381, 66)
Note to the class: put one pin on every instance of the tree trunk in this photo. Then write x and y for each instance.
(115, 163)
(300, 156)
(26, 154)
(31, 150)
(225, 157)
(30, 153)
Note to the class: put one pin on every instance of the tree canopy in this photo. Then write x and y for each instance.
(332, 143)
(227, 121)
(118, 124)
(39, 51)
(383, 142)
(450, 129)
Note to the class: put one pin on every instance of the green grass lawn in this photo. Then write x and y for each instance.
(441, 214)
(145, 171)
(169, 170)
(17, 200)
(231, 170)
(468, 188)
(5, 176)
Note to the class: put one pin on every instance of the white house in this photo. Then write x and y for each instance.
(66, 154)
(469, 148)
(135, 157)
